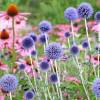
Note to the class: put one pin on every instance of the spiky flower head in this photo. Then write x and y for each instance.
(96, 87)
(45, 26)
(70, 14)
(54, 51)
(97, 16)
(85, 10)
(8, 82)
(27, 42)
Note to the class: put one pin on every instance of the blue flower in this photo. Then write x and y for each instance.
(42, 38)
(53, 78)
(85, 44)
(97, 16)
(33, 52)
(8, 82)
(74, 50)
(45, 26)
(29, 95)
(71, 13)
(33, 36)
(21, 66)
(96, 87)
(27, 42)
(44, 66)
(85, 10)
(54, 51)
(97, 47)
(67, 34)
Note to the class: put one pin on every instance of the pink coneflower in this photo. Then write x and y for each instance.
(3, 67)
(72, 79)
(94, 59)
(13, 11)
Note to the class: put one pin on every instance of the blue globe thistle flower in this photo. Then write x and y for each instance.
(85, 10)
(21, 66)
(27, 42)
(85, 44)
(45, 26)
(67, 34)
(53, 78)
(97, 47)
(44, 66)
(54, 51)
(96, 87)
(33, 52)
(71, 14)
(74, 50)
(8, 82)
(33, 36)
(97, 16)
(29, 95)
(42, 38)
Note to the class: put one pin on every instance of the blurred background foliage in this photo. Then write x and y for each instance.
(47, 9)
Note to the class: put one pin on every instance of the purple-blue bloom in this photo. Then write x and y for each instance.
(96, 87)
(45, 26)
(53, 78)
(54, 51)
(85, 10)
(97, 16)
(33, 36)
(44, 66)
(71, 14)
(29, 95)
(27, 42)
(85, 44)
(8, 82)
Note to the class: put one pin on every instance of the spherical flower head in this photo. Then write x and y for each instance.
(8, 83)
(53, 78)
(74, 50)
(54, 51)
(44, 66)
(97, 16)
(27, 42)
(85, 10)
(67, 34)
(33, 52)
(29, 95)
(12, 10)
(96, 87)
(33, 36)
(45, 26)
(97, 47)
(85, 44)
(42, 38)
(21, 66)
(4, 34)
(71, 14)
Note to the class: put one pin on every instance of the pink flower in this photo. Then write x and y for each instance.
(72, 79)
(2, 97)
(3, 67)
(96, 28)
(94, 59)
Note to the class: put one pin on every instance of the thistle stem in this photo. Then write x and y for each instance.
(10, 96)
(82, 79)
(87, 34)
(72, 30)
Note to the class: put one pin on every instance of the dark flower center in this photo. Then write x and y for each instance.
(12, 10)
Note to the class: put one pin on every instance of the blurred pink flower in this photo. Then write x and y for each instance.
(94, 59)
(72, 79)
(3, 67)
(2, 97)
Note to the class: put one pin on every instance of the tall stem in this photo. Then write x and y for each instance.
(82, 79)
(10, 96)
(87, 34)
(13, 29)
(72, 30)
